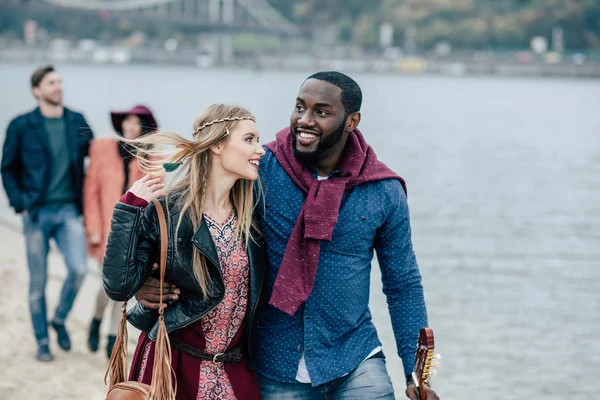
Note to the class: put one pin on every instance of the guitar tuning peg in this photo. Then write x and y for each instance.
(433, 372)
(438, 356)
(435, 364)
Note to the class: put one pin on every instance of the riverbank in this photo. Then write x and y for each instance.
(482, 65)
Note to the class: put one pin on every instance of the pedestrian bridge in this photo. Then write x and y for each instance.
(254, 16)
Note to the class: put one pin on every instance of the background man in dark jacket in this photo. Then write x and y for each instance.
(42, 172)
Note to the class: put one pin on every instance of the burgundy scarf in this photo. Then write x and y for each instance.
(319, 213)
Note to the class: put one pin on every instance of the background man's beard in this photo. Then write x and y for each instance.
(313, 157)
(52, 102)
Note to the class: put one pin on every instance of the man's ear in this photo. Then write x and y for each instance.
(353, 121)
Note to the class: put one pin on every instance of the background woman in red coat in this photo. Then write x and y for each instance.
(112, 171)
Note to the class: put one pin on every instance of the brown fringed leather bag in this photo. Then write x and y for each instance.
(162, 380)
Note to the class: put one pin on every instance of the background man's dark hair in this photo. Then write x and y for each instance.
(39, 74)
(351, 96)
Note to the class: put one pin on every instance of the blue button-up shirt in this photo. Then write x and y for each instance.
(333, 328)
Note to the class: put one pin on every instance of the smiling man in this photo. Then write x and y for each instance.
(42, 173)
(328, 205)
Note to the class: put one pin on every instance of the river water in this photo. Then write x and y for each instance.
(504, 185)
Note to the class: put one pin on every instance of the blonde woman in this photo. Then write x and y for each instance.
(214, 255)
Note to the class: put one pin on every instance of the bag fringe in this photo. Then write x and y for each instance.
(162, 387)
(117, 366)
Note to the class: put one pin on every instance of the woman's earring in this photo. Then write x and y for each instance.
(170, 167)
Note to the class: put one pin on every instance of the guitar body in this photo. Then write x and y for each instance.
(424, 367)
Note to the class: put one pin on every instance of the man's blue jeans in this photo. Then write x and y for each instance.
(61, 223)
(369, 381)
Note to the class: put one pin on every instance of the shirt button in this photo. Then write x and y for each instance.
(308, 317)
(179, 240)
(308, 350)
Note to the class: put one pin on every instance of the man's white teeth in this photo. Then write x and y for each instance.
(307, 135)
(254, 162)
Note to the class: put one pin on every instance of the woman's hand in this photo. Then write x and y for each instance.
(148, 188)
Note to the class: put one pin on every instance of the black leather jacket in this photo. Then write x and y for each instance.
(133, 247)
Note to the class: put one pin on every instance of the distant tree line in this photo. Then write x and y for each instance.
(465, 24)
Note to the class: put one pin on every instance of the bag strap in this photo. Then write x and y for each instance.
(164, 245)
(163, 386)
(117, 366)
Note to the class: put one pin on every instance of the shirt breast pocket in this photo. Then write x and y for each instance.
(354, 233)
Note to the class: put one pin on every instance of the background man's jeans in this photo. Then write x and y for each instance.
(61, 223)
(369, 381)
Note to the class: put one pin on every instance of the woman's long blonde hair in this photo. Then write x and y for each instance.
(189, 184)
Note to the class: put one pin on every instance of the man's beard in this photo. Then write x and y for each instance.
(52, 102)
(324, 144)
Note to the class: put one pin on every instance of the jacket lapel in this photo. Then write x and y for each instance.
(203, 241)
(257, 261)
(72, 134)
(37, 122)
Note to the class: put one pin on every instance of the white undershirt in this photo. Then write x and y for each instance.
(302, 375)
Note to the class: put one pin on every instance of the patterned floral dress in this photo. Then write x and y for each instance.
(222, 323)
(219, 327)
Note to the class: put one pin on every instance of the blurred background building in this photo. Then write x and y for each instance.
(506, 37)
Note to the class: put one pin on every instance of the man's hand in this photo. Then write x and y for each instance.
(410, 393)
(149, 294)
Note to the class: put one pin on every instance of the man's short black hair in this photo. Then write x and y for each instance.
(39, 74)
(351, 96)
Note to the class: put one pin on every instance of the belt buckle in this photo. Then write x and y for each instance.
(215, 358)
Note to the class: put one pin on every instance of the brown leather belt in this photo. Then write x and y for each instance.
(233, 356)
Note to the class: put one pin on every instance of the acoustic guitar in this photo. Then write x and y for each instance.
(426, 363)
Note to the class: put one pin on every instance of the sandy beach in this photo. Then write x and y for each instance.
(77, 374)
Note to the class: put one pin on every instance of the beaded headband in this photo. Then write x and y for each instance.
(226, 119)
